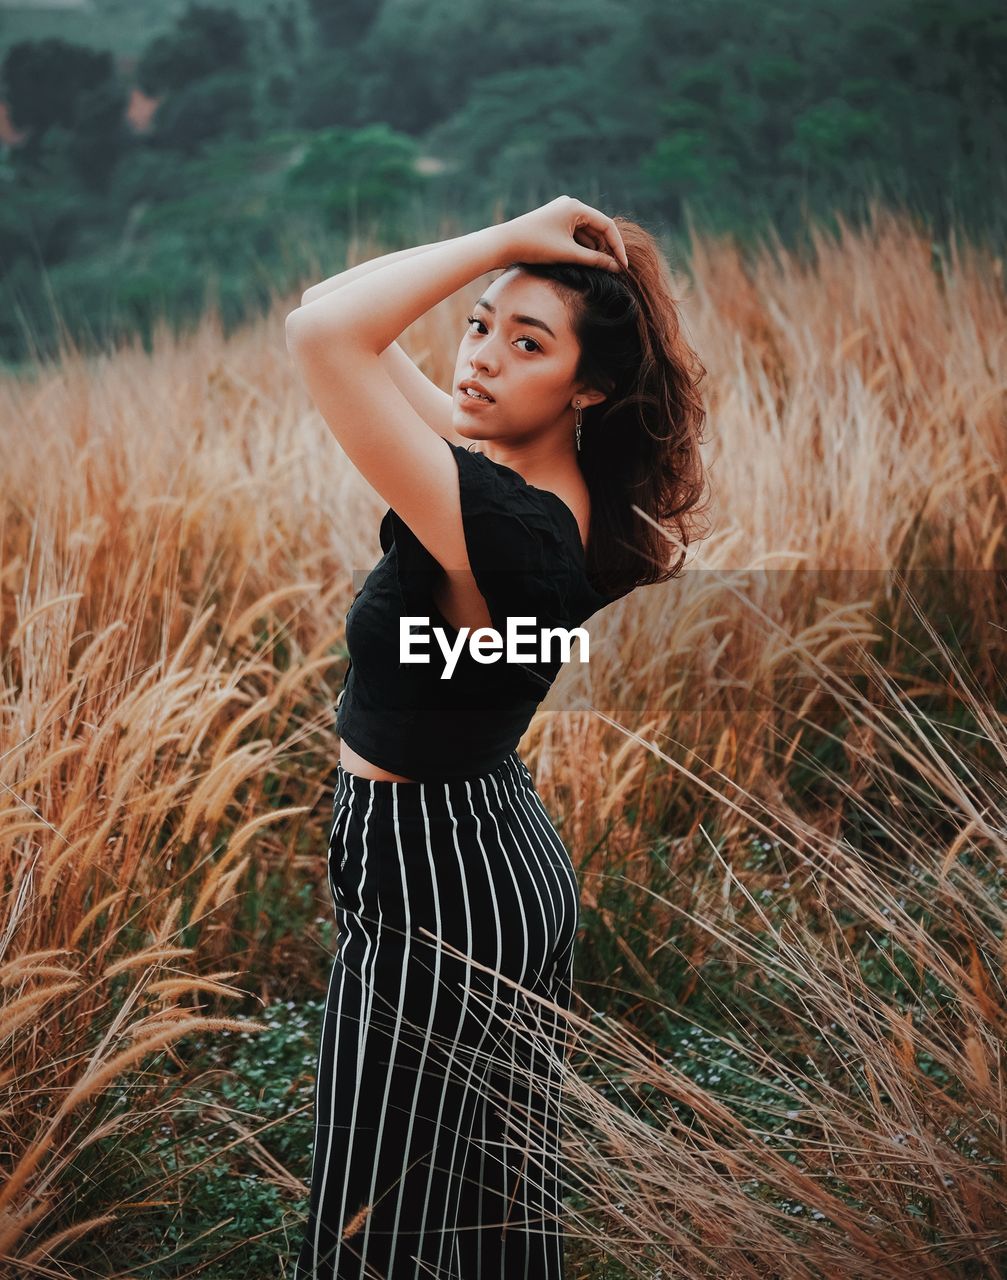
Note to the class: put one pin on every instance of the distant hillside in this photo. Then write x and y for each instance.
(122, 26)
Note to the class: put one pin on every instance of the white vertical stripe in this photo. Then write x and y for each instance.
(564, 987)
(544, 872)
(346, 815)
(568, 872)
(548, 1036)
(363, 1030)
(537, 874)
(550, 1085)
(562, 868)
(448, 1080)
(469, 1086)
(501, 1007)
(407, 951)
(315, 1152)
(516, 1194)
(546, 837)
(561, 986)
(506, 1120)
(435, 893)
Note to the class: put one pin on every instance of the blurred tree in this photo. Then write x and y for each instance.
(685, 167)
(218, 106)
(16, 239)
(205, 41)
(342, 23)
(421, 58)
(350, 174)
(329, 91)
(963, 56)
(534, 132)
(52, 82)
(99, 133)
(833, 134)
(280, 93)
(288, 29)
(39, 221)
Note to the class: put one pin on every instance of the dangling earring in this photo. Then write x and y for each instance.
(578, 419)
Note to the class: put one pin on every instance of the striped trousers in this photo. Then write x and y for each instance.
(437, 1130)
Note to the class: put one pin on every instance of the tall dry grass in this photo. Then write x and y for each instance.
(178, 536)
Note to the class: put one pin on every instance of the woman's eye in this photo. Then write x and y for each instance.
(476, 320)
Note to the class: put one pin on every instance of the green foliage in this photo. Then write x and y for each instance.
(44, 79)
(98, 136)
(832, 132)
(205, 41)
(522, 124)
(71, 98)
(221, 105)
(720, 111)
(341, 23)
(186, 1178)
(350, 173)
(42, 204)
(329, 93)
(212, 227)
(698, 173)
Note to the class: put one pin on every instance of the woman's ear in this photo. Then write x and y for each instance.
(588, 396)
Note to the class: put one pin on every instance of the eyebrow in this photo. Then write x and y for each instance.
(537, 324)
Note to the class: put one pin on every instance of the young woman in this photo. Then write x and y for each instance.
(574, 407)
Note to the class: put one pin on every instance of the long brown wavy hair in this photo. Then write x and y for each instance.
(639, 446)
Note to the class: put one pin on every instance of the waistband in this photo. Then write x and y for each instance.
(385, 797)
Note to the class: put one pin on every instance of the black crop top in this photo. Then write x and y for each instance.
(526, 556)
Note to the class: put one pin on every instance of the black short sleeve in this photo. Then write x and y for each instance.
(522, 545)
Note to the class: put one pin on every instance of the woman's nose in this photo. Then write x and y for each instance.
(483, 360)
(483, 357)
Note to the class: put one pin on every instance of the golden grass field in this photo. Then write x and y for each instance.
(791, 761)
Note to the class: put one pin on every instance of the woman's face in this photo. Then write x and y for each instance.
(527, 365)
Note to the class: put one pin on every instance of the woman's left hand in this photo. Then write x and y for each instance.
(564, 230)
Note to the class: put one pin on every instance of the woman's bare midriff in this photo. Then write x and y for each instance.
(354, 763)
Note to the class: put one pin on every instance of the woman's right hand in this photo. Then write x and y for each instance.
(565, 230)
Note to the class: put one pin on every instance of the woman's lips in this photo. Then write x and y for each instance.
(474, 402)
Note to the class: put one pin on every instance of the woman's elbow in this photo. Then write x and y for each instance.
(305, 330)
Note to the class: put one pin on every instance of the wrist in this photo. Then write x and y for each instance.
(497, 245)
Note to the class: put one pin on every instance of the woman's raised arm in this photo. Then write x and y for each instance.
(361, 269)
(431, 402)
